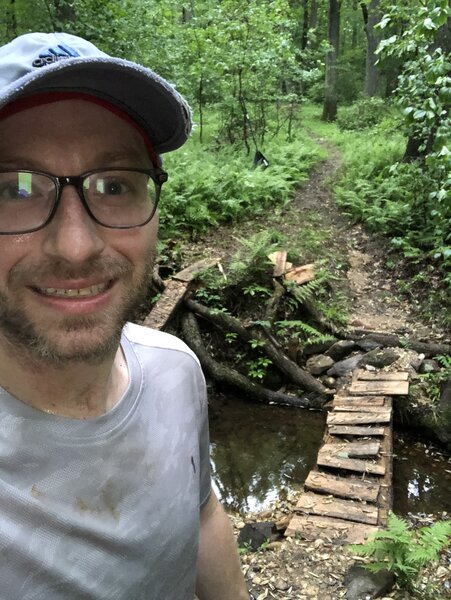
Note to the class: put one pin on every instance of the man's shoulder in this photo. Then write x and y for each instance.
(152, 338)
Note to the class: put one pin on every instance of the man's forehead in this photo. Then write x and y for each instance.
(68, 111)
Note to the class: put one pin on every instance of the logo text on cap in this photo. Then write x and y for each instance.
(51, 55)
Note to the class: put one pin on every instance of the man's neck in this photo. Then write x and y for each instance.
(74, 390)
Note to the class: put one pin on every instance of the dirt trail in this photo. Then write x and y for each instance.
(374, 300)
(374, 297)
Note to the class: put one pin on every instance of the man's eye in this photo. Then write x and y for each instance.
(14, 192)
(112, 187)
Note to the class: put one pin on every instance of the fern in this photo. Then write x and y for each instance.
(300, 327)
(404, 551)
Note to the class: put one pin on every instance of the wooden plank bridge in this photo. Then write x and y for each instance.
(348, 494)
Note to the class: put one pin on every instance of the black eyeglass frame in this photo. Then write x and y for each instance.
(157, 175)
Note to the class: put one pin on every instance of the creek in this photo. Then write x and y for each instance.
(261, 452)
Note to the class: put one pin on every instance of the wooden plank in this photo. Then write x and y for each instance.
(327, 506)
(166, 305)
(385, 499)
(358, 401)
(351, 418)
(342, 487)
(352, 449)
(350, 464)
(381, 376)
(279, 260)
(355, 430)
(300, 275)
(359, 408)
(332, 530)
(190, 272)
(386, 388)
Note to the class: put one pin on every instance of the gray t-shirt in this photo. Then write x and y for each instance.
(108, 508)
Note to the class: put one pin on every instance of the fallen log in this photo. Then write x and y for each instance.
(392, 340)
(298, 376)
(223, 374)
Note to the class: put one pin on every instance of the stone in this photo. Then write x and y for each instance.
(329, 382)
(319, 347)
(281, 584)
(362, 584)
(380, 357)
(254, 535)
(343, 366)
(368, 345)
(318, 364)
(341, 349)
(429, 366)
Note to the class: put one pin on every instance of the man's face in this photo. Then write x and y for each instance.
(66, 290)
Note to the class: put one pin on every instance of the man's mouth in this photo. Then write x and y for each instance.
(92, 290)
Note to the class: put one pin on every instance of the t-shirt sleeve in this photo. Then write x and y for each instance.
(204, 450)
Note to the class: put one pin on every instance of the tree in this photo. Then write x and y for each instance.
(330, 92)
(371, 16)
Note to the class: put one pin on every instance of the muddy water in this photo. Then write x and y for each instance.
(259, 452)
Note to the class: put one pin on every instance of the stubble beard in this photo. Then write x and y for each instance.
(27, 342)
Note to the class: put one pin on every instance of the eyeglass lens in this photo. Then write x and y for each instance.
(115, 198)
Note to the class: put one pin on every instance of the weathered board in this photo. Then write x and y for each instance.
(325, 459)
(360, 408)
(342, 487)
(352, 449)
(328, 506)
(333, 530)
(386, 388)
(351, 418)
(355, 430)
(358, 401)
(167, 303)
(381, 376)
(190, 272)
(279, 259)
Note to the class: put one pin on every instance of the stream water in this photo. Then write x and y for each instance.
(260, 451)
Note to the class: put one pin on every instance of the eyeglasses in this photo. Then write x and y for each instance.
(115, 198)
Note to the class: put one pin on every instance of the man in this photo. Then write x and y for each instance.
(104, 472)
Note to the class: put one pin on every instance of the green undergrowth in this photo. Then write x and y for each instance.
(208, 186)
(405, 202)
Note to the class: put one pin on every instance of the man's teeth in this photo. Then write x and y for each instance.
(74, 293)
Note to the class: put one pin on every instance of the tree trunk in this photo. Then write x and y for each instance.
(228, 376)
(305, 25)
(330, 92)
(298, 376)
(313, 23)
(371, 16)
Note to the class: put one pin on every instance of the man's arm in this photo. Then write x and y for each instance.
(219, 574)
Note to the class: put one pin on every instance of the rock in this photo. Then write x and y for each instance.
(281, 584)
(368, 345)
(340, 349)
(380, 357)
(362, 584)
(341, 367)
(310, 349)
(443, 427)
(329, 382)
(429, 366)
(253, 535)
(318, 364)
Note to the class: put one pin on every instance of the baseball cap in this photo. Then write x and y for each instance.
(50, 62)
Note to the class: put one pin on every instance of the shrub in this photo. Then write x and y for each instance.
(362, 114)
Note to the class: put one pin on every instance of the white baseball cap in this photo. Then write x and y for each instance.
(50, 62)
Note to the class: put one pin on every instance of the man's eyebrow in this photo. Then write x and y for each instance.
(126, 154)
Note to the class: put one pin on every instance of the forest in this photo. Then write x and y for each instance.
(318, 124)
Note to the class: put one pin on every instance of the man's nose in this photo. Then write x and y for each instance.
(72, 235)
